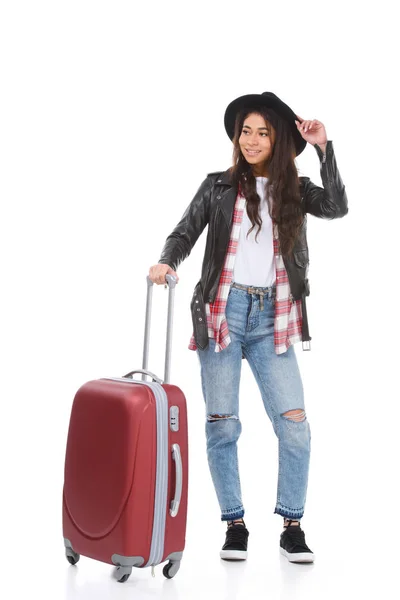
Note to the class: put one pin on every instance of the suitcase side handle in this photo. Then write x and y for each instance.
(171, 281)
(175, 503)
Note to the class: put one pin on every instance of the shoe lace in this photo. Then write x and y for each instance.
(236, 533)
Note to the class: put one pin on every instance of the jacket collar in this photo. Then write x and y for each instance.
(225, 178)
(227, 198)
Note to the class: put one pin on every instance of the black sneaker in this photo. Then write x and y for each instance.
(235, 547)
(293, 545)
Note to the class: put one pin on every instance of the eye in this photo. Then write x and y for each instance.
(246, 131)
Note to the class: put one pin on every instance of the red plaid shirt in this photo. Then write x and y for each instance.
(288, 312)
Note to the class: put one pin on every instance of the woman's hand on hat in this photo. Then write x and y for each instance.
(312, 131)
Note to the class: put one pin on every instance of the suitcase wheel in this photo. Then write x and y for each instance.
(72, 557)
(171, 569)
(122, 574)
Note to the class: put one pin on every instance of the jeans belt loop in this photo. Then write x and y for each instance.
(261, 301)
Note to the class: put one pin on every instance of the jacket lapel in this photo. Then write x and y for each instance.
(227, 196)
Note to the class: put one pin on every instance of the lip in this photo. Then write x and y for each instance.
(253, 151)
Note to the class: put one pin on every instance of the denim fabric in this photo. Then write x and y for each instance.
(279, 381)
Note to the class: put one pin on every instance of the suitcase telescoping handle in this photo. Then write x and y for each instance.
(171, 281)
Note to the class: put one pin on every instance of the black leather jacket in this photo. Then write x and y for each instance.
(213, 204)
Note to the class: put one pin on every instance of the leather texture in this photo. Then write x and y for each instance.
(213, 205)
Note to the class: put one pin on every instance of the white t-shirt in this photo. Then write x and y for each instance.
(254, 261)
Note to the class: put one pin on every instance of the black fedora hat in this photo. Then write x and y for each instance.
(270, 100)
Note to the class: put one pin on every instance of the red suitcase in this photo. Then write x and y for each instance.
(126, 468)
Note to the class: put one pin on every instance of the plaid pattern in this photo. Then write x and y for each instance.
(288, 312)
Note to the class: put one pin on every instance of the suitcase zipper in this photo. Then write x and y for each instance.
(157, 542)
(160, 501)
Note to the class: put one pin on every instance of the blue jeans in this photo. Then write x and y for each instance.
(278, 378)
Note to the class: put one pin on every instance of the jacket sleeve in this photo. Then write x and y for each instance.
(330, 201)
(180, 242)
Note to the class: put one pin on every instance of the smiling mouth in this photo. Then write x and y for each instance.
(253, 152)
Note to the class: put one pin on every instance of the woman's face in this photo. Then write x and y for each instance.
(255, 141)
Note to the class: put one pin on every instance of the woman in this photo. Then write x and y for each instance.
(250, 300)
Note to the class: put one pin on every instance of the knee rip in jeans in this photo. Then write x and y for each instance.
(212, 418)
(296, 415)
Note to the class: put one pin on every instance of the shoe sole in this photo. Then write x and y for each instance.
(233, 554)
(298, 557)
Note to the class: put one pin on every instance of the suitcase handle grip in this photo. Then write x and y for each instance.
(176, 456)
(171, 281)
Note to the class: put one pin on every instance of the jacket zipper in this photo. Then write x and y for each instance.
(214, 232)
(212, 241)
(323, 153)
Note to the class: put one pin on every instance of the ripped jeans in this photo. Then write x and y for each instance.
(251, 329)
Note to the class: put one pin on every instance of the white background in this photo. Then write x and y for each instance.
(111, 116)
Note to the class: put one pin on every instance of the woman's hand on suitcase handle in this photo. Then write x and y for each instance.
(158, 272)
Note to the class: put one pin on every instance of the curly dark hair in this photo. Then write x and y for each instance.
(283, 185)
